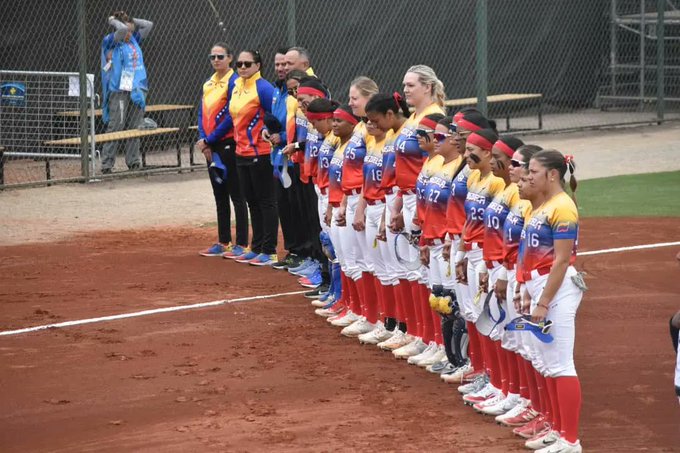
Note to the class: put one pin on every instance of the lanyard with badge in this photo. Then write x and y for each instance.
(127, 77)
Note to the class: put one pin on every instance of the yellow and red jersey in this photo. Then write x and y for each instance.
(373, 165)
(494, 222)
(512, 230)
(326, 151)
(556, 219)
(455, 211)
(335, 192)
(481, 191)
(389, 176)
(353, 166)
(250, 100)
(429, 166)
(409, 156)
(437, 194)
(214, 121)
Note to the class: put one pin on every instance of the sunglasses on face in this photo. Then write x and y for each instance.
(244, 64)
(292, 91)
(517, 163)
(217, 57)
(441, 136)
(425, 133)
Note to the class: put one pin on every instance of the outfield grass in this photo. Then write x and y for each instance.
(653, 194)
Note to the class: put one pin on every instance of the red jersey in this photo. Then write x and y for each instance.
(409, 156)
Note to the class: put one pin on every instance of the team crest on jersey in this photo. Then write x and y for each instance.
(562, 227)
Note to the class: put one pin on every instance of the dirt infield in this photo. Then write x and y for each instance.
(269, 375)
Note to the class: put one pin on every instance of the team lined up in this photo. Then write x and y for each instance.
(491, 214)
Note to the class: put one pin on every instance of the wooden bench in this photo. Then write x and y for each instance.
(523, 98)
(130, 134)
(148, 108)
(74, 142)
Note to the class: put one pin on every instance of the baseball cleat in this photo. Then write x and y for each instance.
(397, 340)
(429, 351)
(413, 348)
(542, 440)
(358, 327)
(562, 446)
(377, 335)
(345, 319)
(536, 426)
(439, 354)
(441, 366)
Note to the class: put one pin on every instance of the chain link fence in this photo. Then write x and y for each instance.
(532, 65)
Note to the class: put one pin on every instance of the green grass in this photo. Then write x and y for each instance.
(653, 194)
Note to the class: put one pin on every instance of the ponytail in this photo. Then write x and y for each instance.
(573, 183)
(383, 102)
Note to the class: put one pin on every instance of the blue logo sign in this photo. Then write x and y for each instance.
(13, 94)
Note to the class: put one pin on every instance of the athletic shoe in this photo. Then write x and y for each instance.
(542, 440)
(328, 312)
(413, 348)
(396, 341)
(313, 281)
(486, 392)
(317, 293)
(263, 260)
(345, 319)
(236, 251)
(439, 367)
(490, 402)
(216, 249)
(438, 355)
(289, 261)
(562, 446)
(306, 262)
(430, 350)
(246, 257)
(377, 335)
(503, 405)
(474, 386)
(457, 376)
(515, 416)
(533, 428)
(310, 270)
(358, 327)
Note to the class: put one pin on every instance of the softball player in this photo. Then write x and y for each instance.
(505, 288)
(494, 220)
(435, 194)
(550, 241)
(389, 112)
(425, 92)
(362, 291)
(344, 123)
(482, 186)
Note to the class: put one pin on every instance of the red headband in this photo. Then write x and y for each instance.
(427, 122)
(478, 140)
(469, 125)
(458, 116)
(504, 147)
(318, 116)
(342, 115)
(397, 98)
(311, 92)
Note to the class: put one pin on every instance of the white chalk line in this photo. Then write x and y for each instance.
(154, 311)
(253, 298)
(629, 248)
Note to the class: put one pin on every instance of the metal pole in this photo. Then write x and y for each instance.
(660, 57)
(643, 35)
(614, 25)
(84, 162)
(291, 23)
(482, 56)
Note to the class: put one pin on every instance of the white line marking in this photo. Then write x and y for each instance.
(625, 249)
(145, 313)
(269, 296)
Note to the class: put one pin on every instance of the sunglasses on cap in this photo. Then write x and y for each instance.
(244, 64)
(424, 132)
(217, 56)
(517, 163)
(441, 136)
